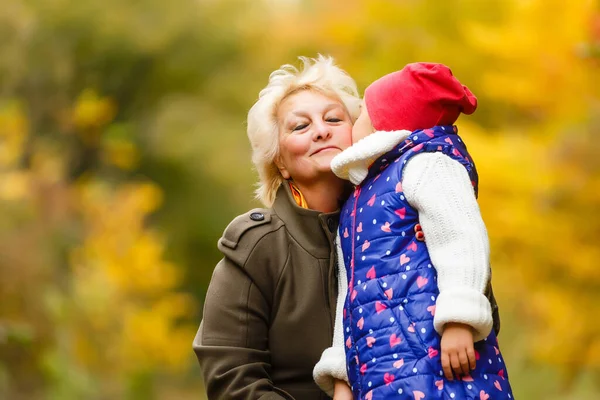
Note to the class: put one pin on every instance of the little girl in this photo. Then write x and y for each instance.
(413, 318)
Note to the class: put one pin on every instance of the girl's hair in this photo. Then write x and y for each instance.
(319, 74)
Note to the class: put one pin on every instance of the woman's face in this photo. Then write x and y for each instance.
(313, 128)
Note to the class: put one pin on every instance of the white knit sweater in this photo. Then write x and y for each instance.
(440, 189)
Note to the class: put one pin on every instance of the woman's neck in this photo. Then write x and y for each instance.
(322, 195)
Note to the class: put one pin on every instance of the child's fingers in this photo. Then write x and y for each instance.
(446, 366)
(464, 362)
(455, 363)
(472, 358)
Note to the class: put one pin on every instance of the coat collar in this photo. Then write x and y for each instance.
(313, 230)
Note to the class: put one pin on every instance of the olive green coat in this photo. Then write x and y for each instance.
(270, 306)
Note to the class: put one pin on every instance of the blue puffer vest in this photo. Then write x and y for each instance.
(392, 349)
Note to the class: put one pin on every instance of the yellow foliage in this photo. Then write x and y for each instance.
(15, 185)
(13, 133)
(92, 111)
(122, 154)
(122, 284)
(150, 338)
(548, 244)
(48, 164)
(536, 63)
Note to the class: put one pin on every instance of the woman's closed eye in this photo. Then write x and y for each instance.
(299, 127)
(334, 120)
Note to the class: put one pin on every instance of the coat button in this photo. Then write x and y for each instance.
(331, 225)
(256, 216)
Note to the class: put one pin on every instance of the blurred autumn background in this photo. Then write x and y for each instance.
(123, 156)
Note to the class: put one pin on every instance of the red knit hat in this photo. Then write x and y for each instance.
(419, 96)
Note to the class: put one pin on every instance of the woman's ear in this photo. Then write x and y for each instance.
(281, 167)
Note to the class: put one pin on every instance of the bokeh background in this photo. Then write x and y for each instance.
(123, 156)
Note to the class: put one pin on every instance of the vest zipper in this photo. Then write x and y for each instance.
(356, 194)
(351, 286)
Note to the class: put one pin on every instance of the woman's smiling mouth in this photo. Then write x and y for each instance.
(325, 148)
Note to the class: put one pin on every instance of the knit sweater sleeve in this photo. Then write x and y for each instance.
(440, 190)
(332, 364)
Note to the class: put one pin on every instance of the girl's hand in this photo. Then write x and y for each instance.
(458, 353)
(341, 391)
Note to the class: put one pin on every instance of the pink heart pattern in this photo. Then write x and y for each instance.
(388, 378)
(389, 293)
(361, 323)
(422, 281)
(432, 352)
(418, 148)
(380, 307)
(418, 395)
(497, 385)
(371, 200)
(366, 245)
(371, 273)
(386, 227)
(394, 340)
(401, 212)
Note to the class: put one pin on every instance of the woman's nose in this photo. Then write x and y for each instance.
(322, 131)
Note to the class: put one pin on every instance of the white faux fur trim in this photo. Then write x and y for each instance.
(330, 367)
(353, 163)
(332, 364)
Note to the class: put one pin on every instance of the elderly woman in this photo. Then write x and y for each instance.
(270, 307)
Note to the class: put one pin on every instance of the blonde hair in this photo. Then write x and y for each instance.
(319, 74)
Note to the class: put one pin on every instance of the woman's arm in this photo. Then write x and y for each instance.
(232, 342)
(441, 191)
(332, 365)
